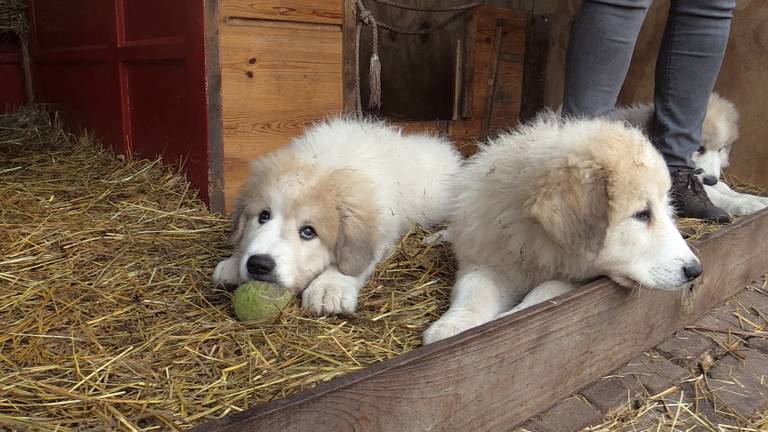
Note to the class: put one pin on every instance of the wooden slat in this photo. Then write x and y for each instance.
(275, 81)
(536, 51)
(348, 45)
(499, 374)
(215, 132)
(310, 11)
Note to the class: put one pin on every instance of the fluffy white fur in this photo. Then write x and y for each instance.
(719, 132)
(562, 200)
(359, 185)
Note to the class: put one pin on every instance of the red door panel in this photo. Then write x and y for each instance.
(165, 19)
(91, 21)
(11, 76)
(86, 95)
(131, 70)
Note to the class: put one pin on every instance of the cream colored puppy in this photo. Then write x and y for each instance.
(318, 215)
(719, 132)
(565, 200)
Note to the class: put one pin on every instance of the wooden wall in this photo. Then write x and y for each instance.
(281, 66)
(743, 77)
(496, 40)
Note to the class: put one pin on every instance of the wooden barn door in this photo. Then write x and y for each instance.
(133, 71)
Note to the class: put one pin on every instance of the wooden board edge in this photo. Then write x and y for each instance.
(215, 126)
(535, 65)
(348, 65)
(725, 274)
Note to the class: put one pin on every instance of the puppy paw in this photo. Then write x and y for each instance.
(227, 273)
(327, 296)
(747, 206)
(450, 324)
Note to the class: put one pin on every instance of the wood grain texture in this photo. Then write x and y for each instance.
(349, 67)
(416, 70)
(499, 374)
(326, 11)
(215, 132)
(536, 52)
(275, 81)
(509, 79)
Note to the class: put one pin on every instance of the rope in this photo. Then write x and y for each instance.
(470, 5)
(365, 17)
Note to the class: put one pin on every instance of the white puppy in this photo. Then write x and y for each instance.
(317, 215)
(719, 131)
(565, 200)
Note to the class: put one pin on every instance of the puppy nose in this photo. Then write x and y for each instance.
(710, 180)
(692, 270)
(260, 265)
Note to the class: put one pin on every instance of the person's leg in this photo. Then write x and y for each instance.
(599, 52)
(692, 51)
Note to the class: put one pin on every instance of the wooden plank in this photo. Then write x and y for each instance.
(536, 51)
(213, 83)
(502, 373)
(309, 11)
(416, 70)
(506, 101)
(349, 65)
(509, 80)
(470, 33)
(275, 81)
(490, 88)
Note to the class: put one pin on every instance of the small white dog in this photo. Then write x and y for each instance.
(560, 200)
(317, 215)
(719, 131)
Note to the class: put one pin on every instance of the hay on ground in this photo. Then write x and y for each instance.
(107, 316)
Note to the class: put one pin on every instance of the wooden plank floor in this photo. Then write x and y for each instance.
(500, 374)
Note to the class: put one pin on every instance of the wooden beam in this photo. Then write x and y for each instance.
(493, 70)
(349, 67)
(500, 374)
(307, 11)
(536, 52)
(213, 85)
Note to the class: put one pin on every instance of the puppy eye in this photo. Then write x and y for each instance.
(643, 215)
(264, 216)
(307, 233)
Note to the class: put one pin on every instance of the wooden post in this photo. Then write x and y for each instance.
(26, 65)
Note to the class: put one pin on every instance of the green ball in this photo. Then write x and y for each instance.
(260, 301)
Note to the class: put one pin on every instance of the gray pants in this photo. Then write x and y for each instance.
(600, 49)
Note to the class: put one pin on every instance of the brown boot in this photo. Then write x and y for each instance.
(691, 201)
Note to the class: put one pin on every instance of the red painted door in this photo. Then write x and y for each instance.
(11, 76)
(131, 70)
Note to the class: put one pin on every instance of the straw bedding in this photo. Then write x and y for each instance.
(13, 19)
(107, 316)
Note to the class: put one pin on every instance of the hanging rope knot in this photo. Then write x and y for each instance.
(365, 17)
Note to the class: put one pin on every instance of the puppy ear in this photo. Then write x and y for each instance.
(358, 221)
(572, 206)
(238, 223)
